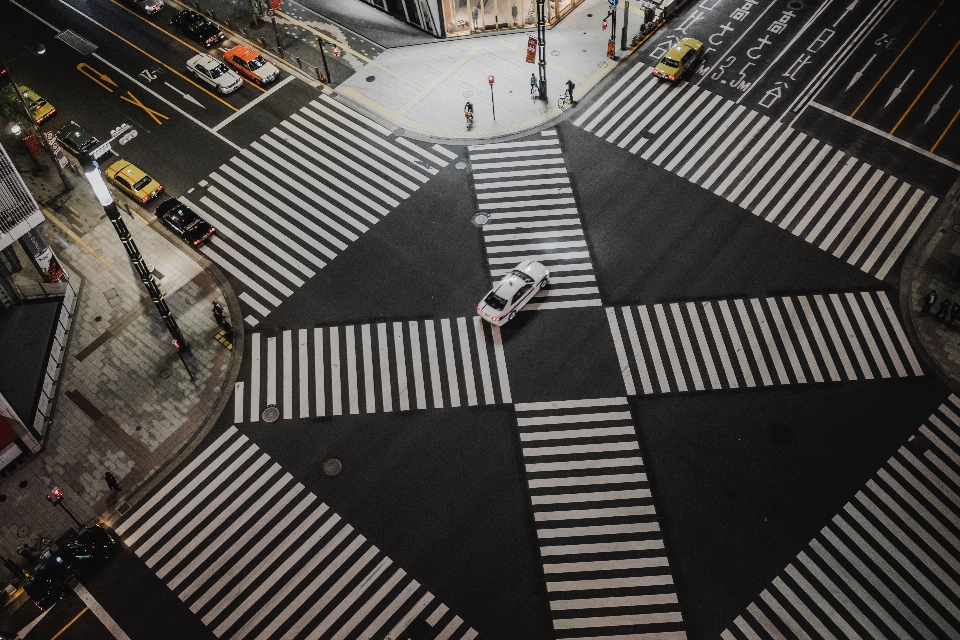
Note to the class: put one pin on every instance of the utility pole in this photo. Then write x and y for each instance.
(542, 46)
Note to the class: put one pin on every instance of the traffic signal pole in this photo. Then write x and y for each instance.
(542, 46)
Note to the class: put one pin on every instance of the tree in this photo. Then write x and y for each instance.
(253, 6)
(11, 109)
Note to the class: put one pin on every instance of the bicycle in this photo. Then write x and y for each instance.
(565, 99)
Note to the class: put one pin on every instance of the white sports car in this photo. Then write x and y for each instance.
(214, 73)
(512, 292)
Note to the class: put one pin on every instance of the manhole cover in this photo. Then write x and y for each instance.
(166, 373)
(98, 319)
(468, 94)
(23, 484)
(956, 228)
(371, 78)
(480, 219)
(270, 414)
(795, 5)
(555, 52)
(23, 531)
(332, 467)
(461, 165)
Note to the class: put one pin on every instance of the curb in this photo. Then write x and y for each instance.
(922, 248)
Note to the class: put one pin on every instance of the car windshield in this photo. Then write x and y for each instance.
(668, 62)
(142, 182)
(35, 106)
(218, 71)
(256, 63)
(521, 275)
(495, 301)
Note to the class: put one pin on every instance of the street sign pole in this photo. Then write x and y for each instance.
(612, 44)
(323, 56)
(542, 46)
(492, 105)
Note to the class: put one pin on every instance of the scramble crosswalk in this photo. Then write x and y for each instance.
(735, 344)
(257, 556)
(291, 202)
(829, 198)
(602, 550)
(887, 565)
(369, 368)
(524, 190)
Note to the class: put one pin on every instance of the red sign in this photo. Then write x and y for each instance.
(611, 53)
(33, 145)
(531, 49)
(490, 80)
(275, 5)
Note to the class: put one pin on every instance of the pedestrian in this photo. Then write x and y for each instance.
(942, 311)
(476, 15)
(929, 301)
(27, 553)
(954, 314)
(533, 85)
(570, 88)
(111, 481)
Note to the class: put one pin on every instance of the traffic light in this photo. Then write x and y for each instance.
(176, 345)
(604, 24)
(55, 495)
(4, 75)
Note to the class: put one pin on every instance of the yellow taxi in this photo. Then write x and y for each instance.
(133, 181)
(40, 109)
(251, 64)
(678, 59)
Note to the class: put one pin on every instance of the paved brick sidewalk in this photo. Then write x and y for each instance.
(931, 263)
(125, 403)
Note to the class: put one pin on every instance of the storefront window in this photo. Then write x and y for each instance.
(463, 17)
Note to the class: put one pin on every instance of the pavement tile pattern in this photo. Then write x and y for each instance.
(604, 561)
(299, 196)
(887, 565)
(255, 555)
(830, 199)
(741, 343)
(368, 368)
(524, 190)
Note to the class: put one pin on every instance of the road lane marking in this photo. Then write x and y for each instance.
(895, 60)
(69, 624)
(100, 612)
(905, 113)
(239, 112)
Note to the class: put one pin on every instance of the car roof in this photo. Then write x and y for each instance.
(245, 53)
(676, 52)
(207, 61)
(168, 205)
(71, 129)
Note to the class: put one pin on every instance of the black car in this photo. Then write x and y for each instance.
(196, 27)
(92, 545)
(74, 139)
(48, 584)
(184, 222)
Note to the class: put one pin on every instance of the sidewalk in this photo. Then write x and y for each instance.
(422, 88)
(125, 403)
(930, 264)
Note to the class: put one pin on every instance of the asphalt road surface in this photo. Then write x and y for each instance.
(715, 370)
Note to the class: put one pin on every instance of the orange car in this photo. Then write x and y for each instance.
(251, 64)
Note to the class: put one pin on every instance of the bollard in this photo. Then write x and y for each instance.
(246, 36)
(263, 43)
(299, 61)
(322, 78)
(227, 20)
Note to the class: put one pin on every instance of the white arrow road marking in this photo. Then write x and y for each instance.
(936, 107)
(897, 91)
(100, 612)
(845, 12)
(859, 74)
(185, 96)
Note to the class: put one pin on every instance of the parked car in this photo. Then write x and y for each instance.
(49, 582)
(197, 28)
(251, 64)
(211, 71)
(133, 181)
(94, 544)
(512, 292)
(184, 222)
(678, 59)
(40, 109)
(147, 6)
(75, 140)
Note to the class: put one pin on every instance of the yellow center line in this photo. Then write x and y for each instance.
(75, 618)
(942, 135)
(357, 54)
(160, 62)
(925, 87)
(893, 64)
(436, 81)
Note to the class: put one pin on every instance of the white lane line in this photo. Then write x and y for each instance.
(868, 335)
(802, 337)
(901, 336)
(787, 341)
(751, 334)
(651, 339)
(831, 326)
(638, 356)
(271, 371)
(721, 345)
(318, 371)
(353, 393)
(620, 351)
(704, 346)
(303, 376)
(450, 362)
(417, 363)
(687, 347)
(432, 357)
(369, 386)
(481, 340)
(501, 365)
(255, 377)
(238, 400)
(402, 391)
(336, 373)
(287, 374)
(466, 361)
(105, 619)
(851, 336)
(737, 344)
(383, 354)
(771, 343)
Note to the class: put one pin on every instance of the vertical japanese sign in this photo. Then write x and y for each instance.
(531, 49)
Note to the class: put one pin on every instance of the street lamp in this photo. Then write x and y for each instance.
(91, 170)
(55, 497)
(39, 50)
